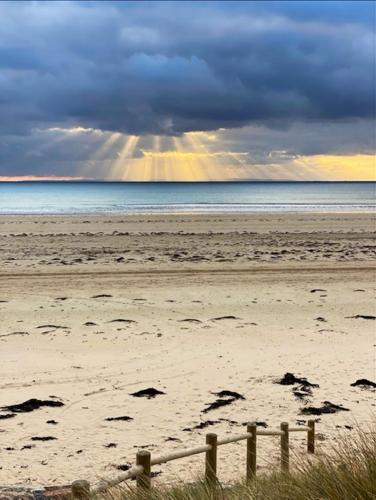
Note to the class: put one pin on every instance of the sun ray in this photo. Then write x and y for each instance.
(206, 163)
(157, 164)
(157, 143)
(186, 169)
(209, 161)
(119, 169)
(108, 144)
(215, 164)
(195, 157)
(100, 155)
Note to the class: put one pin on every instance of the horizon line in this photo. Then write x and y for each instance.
(116, 181)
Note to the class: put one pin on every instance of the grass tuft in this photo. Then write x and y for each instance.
(346, 472)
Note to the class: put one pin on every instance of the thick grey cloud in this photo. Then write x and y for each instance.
(168, 68)
(283, 78)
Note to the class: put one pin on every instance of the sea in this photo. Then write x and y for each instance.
(177, 197)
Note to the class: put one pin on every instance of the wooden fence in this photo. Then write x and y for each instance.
(142, 470)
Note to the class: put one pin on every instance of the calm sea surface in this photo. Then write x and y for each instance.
(106, 197)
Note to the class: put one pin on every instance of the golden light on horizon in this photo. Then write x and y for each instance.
(202, 156)
(337, 167)
(186, 159)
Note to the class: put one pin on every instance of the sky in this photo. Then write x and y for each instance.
(187, 91)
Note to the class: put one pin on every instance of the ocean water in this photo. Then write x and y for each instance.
(116, 197)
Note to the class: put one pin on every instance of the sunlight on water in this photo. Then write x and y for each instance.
(89, 197)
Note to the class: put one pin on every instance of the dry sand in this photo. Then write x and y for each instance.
(290, 285)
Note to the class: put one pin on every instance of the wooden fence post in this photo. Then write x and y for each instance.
(81, 490)
(311, 437)
(143, 458)
(251, 451)
(285, 447)
(211, 459)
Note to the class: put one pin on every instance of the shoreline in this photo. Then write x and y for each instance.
(271, 269)
(310, 209)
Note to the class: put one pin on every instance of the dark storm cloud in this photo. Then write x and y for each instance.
(167, 68)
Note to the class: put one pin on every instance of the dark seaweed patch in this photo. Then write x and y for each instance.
(364, 383)
(124, 418)
(31, 405)
(149, 393)
(326, 408)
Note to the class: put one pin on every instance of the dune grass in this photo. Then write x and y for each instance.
(346, 472)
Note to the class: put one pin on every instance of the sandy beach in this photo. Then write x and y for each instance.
(96, 308)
